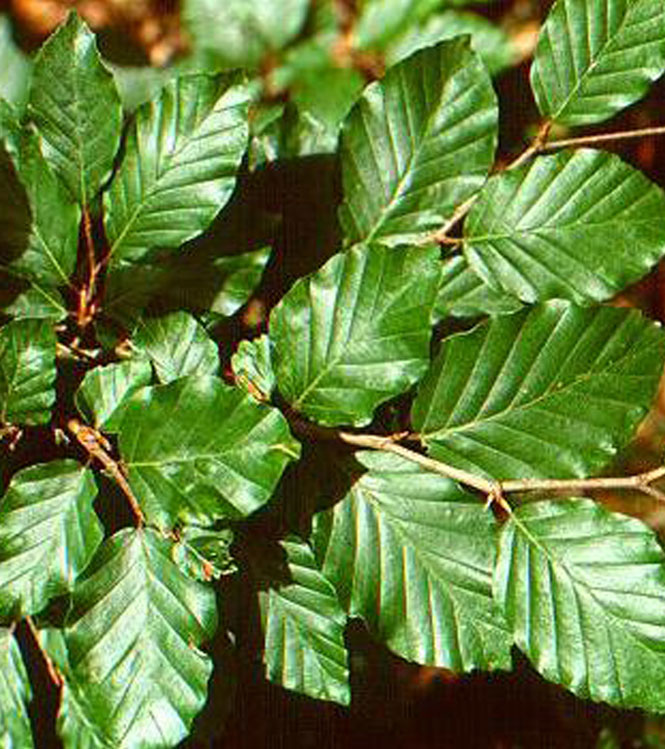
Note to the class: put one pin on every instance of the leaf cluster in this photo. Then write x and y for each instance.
(125, 261)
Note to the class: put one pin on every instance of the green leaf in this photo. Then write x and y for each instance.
(417, 144)
(489, 41)
(105, 389)
(198, 451)
(584, 591)
(412, 554)
(15, 694)
(27, 371)
(356, 332)
(48, 534)
(177, 345)
(252, 367)
(15, 67)
(380, 21)
(553, 391)
(75, 105)
(462, 293)
(140, 670)
(49, 254)
(180, 159)
(204, 554)
(21, 300)
(303, 625)
(596, 57)
(237, 33)
(579, 225)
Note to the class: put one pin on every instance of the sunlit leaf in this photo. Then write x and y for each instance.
(412, 554)
(15, 67)
(252, 367)
(15, 694)
(579, 225)
(417, 144)
(75, 104)
(584, 591)
(553, 391)
(356, 332)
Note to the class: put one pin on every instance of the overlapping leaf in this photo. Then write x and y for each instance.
(27, 371)
(237, 33)
(104, 389)
(252, 367)
(48, 534)
(380, 21)
(15, 694)
(15, 67)
(303, 625)
(417, 144)
(180, 160)
(75, 104)
(584, 591)
(140, 670)
(549, 392)
(412, 554)
(579, 225)
(198, 450)
(595, 57)
(356, 332)
(177, 345)
(462, 293)
(203, 553)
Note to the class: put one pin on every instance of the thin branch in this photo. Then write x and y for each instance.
(590, 140)
(54, 674)
(496, 489)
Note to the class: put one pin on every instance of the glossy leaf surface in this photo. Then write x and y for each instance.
(177, 345)
(27, 371)
(552, 392)
(417, 144)
(104, 389)
(303, 625)
(355, 333)
(198, 450)
(579, 225)
(140, 670)
(48, 534)
(15, 694)
(252, 367)
(75, 104)
(412, 554)
(180, 158)
(584, 591)
(596, 57)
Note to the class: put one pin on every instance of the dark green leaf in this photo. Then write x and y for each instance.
(488, 40)
(75, 104)
(595, 57)
(48, 534)
(579, 225)
(104, 389)
(197, 451)
(238, 33)
(553, 391)
(356, 332)
(15, 67)
(27, 371)
(462, 293)
(179, 165)
(584, 591)
(252, 367)
(133, 635)
(412, 554)
(177, 345)
(417, 144)
(303, 625)
(15, 694)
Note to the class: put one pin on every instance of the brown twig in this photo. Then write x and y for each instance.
(590, 140)
(97, 447)
(495, 490)
(54, 674)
